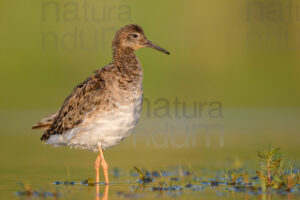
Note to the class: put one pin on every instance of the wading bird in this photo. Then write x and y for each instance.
(105, 108)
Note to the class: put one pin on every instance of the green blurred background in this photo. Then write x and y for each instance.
(242, 54)
(219, 50)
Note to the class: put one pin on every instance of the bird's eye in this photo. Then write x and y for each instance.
(135, 35)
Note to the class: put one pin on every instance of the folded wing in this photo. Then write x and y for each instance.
(84, 98)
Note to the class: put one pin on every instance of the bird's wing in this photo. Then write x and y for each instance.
(46, 122)
(80, 102)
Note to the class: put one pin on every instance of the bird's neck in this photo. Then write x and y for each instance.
(126, 60)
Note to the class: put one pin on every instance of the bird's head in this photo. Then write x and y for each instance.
(132, 36)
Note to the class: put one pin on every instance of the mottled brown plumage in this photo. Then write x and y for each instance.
(125, 70)
(105, 108)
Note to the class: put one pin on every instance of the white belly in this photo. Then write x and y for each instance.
(105, 129)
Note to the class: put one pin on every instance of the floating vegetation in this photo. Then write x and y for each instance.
(64, 183)
(88, 181)
(144, 176)
(27, 191)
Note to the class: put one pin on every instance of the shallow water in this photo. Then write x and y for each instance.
(27, 163)
(160, 184)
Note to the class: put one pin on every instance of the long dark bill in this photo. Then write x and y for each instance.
(154, 46)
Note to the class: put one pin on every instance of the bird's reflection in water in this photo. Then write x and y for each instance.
(105, 194)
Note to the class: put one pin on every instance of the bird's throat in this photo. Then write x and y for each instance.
(126, 60)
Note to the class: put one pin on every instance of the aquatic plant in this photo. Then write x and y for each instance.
(231, 177)
(287, 180)
(88, 181)
(144, 177)
(245, 176)
(28, 192)
(270, 165)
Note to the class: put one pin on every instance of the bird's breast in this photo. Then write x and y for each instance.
(109, 128)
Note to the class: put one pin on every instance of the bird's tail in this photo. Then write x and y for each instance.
(46, 122)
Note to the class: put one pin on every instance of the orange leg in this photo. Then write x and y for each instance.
(97, 165)
(104, 165)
